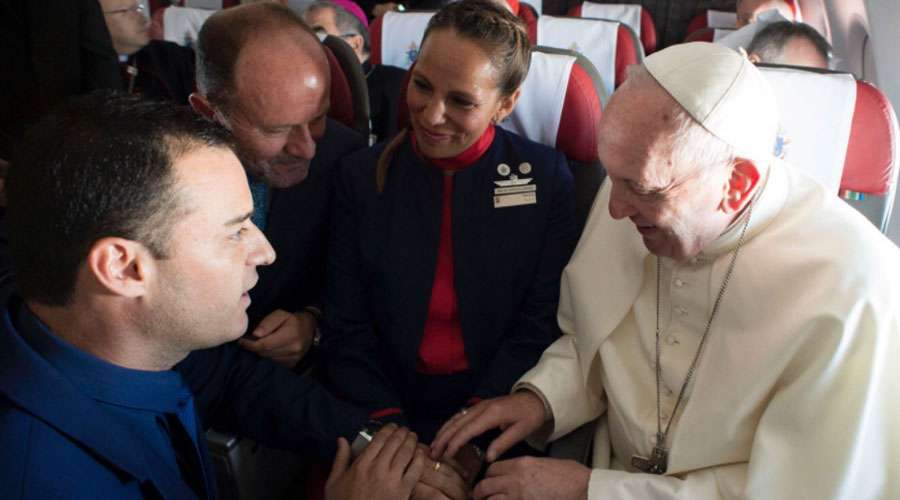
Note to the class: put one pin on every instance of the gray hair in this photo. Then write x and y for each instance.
(346, 22)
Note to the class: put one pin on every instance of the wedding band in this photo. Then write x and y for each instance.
(436, 466)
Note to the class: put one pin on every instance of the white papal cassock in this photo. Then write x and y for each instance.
(797, 393)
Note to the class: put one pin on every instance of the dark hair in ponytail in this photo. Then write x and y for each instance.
(498, 32)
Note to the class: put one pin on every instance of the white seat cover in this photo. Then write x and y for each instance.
(816, 112)
(539, 109)
(721, 19)
(595, 39)
(181, 24)
(204, 4)
(401, 37)
(720, 33)
(628, 14)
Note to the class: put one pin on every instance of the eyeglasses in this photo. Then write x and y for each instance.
(322, 33)
(139, 8)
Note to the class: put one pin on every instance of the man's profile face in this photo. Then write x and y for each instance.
(748, 10)
(675, 207)
(128, 27)
(200, 294)
(278, 108)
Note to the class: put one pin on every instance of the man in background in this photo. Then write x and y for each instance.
(155, 69)
(795, 44)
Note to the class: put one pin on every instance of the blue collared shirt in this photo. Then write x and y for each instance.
(155, 405)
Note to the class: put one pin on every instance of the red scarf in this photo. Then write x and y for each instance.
(442, 351)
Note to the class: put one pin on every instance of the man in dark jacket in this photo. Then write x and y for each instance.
(263, 74)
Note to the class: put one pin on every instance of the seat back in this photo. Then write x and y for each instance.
(841, 131)
(395, 37)
(633, 15)
(178, 24)
(711, 19)
(560, 106)
(349, 92)
(529, 15)
(610, 46)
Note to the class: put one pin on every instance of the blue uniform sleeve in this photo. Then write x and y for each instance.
(349, 339)
(238, 391)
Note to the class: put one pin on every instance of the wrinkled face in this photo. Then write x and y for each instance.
(677, 208)
(748, 10)
(279, 107)
(452, 95)
(128, 27)
(200, 297)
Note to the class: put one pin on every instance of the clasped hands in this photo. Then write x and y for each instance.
(411, 470)
(395, 466)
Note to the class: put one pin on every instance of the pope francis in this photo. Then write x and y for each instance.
(730, 326)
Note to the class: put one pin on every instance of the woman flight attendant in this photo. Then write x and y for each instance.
(448, 243)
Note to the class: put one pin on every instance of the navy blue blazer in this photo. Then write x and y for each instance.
(383, 255)
(297, 227)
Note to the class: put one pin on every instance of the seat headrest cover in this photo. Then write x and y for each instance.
(401, 37)
(626, 13)
(537, 113)
(723, 92)
(596, 39)
(720, 33)
(721, 19)
(816, 115)
(182, 24)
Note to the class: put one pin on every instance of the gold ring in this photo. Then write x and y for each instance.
(436, 466)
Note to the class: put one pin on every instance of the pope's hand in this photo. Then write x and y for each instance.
(532, 478)
(283, 337)
(519, 415)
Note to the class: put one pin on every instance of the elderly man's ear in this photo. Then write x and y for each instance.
(741, 185)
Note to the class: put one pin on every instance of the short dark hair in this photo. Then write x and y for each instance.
(98, 166)
(346, 22)
(769, 42)
(225, 33)
(501, 34)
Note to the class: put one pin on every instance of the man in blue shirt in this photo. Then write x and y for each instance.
(130, 230)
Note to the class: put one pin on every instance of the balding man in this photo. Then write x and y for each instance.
(727, 320)
(749, 10)
(264, 75)
(795, 44)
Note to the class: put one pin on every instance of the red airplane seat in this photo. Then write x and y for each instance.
(349, 92)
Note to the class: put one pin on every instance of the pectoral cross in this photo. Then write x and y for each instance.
(656, 464)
